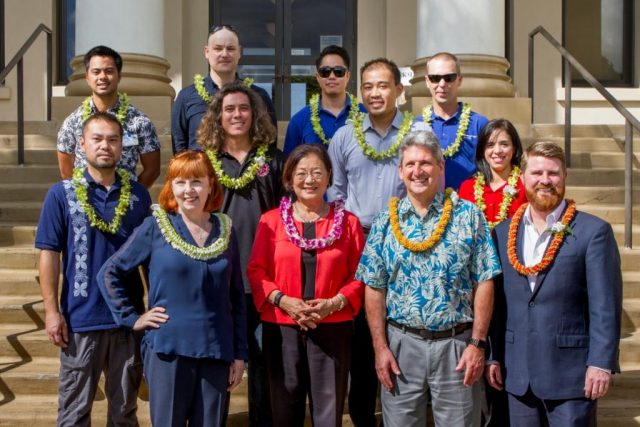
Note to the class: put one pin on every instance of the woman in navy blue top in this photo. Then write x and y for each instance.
(195, 342)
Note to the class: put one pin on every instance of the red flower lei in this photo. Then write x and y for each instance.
(551, 251)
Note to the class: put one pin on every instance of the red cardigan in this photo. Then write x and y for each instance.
(493, 199)
(275, 264)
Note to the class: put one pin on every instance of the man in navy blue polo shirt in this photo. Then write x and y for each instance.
(453, 122)
(223, 51)
(87, 218)
(327, 112)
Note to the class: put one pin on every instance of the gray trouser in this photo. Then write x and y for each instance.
(114, 352)
(429, 366)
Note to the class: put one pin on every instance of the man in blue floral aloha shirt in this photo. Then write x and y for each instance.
(428, 266)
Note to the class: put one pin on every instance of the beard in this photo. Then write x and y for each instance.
(102, 163)
(547, 202)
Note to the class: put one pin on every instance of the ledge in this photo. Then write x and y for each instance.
(5, 93)
(584, 94)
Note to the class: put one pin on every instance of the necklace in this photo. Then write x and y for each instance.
(120, 115)
(323, 212)
(172, 237)
(463, 126)
(559, 233)
(198, 82)
(314, 105)
(437, 233)
(259, 167)
(509, 193)
(81, 188)
(307, 244)
(370, 152)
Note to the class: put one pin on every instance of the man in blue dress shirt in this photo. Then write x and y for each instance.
(87, 218)
(453, 122)
(223, 52)
(317, 122)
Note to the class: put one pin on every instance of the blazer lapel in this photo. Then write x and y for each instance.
(520, 252)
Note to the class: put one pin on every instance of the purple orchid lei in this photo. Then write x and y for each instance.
(286, 209)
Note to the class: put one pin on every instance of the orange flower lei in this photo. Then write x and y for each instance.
(553, 248)
(437, 233)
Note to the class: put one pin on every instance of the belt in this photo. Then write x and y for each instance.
(427, 334)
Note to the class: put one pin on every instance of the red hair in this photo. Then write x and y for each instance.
(189, 165)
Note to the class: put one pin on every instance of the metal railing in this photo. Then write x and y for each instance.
(630, 121)
(17, 60)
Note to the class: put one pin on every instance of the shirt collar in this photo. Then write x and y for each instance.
(552, 218)
(405, 207)
(92, 182)
(455, 116)
(396, 123)
(208, 81)
(113, 109)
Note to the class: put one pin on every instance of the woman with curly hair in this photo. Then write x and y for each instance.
(237, 135)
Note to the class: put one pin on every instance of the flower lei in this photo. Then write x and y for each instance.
(80, 184)
(463, 126)
(198, 82)
(120, 115)
(259, 167)
(508, 195)
(437, 233)
(172, 237)
(314, 105)
(551, 251)
(370, 152)
(291, 231)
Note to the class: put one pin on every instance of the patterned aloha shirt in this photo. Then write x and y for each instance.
(432, 289)
(139, 137)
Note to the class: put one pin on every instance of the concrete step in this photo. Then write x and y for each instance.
(612, 213)
(618, 230)
(630, 350)
(630, 259)
(601, 176)
(24, 310)
(631, 317)
(604, 195)
(19, 341)
(48, 128)
(42, 156)
(549, 130)
(19, 256)
(18, 282)
(23, 192)
(631, 284)
(17, 234)
(20, 211)
(623, 411)
(42, 174)
(600, 160)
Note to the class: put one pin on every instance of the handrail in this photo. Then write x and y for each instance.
(630, 121)
(17, 60)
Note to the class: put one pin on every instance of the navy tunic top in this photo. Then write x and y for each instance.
(204, 300)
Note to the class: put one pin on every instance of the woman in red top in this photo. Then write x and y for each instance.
(301, 272)
(496, 188)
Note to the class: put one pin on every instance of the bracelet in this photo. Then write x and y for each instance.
(278, 297)
(342, 299)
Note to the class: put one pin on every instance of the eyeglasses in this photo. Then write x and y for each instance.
(214, 29)
(302, 176)
(325, 72)
(448, 78)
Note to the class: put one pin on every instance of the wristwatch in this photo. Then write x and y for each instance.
(481, 344)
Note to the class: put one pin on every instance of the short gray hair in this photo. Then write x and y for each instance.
(425, 139)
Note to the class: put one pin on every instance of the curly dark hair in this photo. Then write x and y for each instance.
(211, 134)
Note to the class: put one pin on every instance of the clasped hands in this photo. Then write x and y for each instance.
(307, 314)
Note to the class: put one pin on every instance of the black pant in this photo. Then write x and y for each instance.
(314, 363)
(364, 381)
(259, 406)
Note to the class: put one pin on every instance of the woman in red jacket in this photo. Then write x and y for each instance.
(301, 273)
(496, 188)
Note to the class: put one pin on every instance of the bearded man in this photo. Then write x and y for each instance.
(556, 324)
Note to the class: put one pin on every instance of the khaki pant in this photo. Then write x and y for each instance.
(114, 352)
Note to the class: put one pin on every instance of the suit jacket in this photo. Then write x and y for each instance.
(547, 338)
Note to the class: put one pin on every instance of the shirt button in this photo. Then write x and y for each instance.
(531, 304)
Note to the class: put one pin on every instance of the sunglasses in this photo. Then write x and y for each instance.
(338, 71)
(214, 29)
(448, 78)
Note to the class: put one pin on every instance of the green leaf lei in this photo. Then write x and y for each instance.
(198, 82)
(120, 115)
(314, 104)
(81, 186)
(248, 176)
(369, 151)
(463, 126)
(172, 237)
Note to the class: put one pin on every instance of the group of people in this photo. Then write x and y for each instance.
(414, 253)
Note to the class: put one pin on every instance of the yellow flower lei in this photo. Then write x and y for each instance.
(80, 184)
(249, 175)
(120, 115)
(507, 196)
(314, 105)
(198, 82)
(463, 126)
(437, 233)
(172, 237)
(369, 151)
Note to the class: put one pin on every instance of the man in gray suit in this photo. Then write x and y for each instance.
(556, 325)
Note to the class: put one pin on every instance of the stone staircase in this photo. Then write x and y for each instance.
(29, 363)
